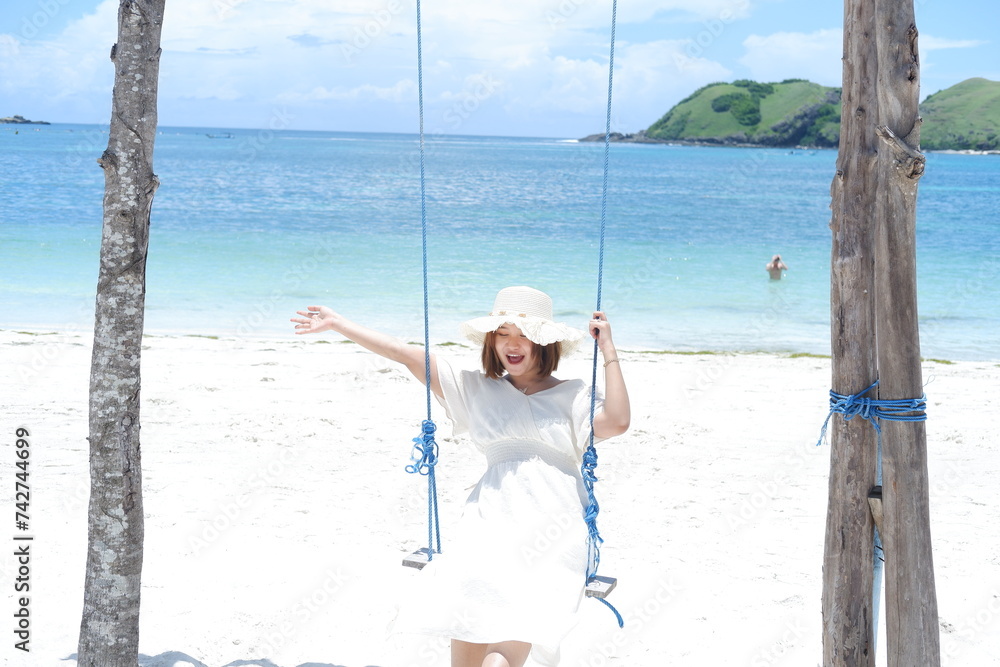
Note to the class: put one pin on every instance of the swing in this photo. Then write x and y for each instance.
(424, 454)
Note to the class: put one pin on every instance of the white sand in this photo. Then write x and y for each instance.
(277, 508)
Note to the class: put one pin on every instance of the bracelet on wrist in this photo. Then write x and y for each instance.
(610, 361)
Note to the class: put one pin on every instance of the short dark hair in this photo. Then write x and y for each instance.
(548, 358)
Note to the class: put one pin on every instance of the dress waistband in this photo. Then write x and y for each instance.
(501, 451)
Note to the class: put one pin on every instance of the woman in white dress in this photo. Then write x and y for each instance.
(513, 574)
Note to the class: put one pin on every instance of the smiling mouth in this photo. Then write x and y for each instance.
(515, 358)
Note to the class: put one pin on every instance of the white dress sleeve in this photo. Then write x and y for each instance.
(456, 387)
(581, 416)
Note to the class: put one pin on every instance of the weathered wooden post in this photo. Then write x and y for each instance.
(109, 629)
(911, 599)
(847, 562)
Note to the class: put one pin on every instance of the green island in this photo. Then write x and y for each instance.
(21, 120)
(798, 113)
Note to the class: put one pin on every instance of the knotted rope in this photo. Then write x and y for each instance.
(874, 409)
(424, 458)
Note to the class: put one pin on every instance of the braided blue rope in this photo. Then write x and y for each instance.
(593, 508)
(589, 465)
(873, 409)
(424, 456)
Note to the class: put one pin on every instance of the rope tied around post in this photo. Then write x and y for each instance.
(874, 409)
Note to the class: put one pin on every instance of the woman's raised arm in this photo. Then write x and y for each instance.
(316, 319)
(616, 416)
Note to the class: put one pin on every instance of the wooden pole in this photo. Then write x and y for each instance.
(109, 628)
(911, 599)
(849, 542)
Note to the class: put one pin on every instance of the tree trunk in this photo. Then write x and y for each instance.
(109, 630)
(848, 549)
(911, 600)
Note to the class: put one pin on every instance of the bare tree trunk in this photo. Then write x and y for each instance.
(911, 599)
(848, 549)
(109, 630)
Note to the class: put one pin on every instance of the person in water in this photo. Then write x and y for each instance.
(776, 267)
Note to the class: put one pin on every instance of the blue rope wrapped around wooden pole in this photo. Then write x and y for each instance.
(872, 410)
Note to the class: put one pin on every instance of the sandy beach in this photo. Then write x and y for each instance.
(277, 507)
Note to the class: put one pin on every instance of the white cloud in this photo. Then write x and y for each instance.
(405, 90)
(582, 14)
(10, 46)
(928, 43)
(570, 86)
(537, 63)
(75, 65)
(652, 77)
(815, 56)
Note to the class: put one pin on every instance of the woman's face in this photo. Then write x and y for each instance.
(516, 352)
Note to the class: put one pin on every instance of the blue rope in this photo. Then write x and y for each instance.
(873, 409)
(621, 621)
(589, 465)
(425, 451)
(593, 508)
(424, 458)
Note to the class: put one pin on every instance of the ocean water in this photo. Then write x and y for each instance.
(248, 226)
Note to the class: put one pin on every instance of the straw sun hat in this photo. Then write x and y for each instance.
(531, 312)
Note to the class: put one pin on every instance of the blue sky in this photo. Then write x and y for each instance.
(506, 67)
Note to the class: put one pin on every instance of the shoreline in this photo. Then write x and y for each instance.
(617, 137)
(457, 344)
(641, 138)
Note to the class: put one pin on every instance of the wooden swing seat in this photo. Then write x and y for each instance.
(597, 586)
(418, 558)
(600, 587)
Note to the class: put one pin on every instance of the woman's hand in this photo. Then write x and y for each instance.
(600, 330)
(616, 416)
(314, 320)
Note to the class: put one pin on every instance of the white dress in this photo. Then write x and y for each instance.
(514, 568)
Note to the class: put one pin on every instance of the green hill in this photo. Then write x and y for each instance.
(963, 117)
(794, 112)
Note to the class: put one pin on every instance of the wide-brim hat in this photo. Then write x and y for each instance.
(530, 311)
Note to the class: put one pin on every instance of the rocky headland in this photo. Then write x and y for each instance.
(21, 120)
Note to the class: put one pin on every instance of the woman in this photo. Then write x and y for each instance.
(512, 573)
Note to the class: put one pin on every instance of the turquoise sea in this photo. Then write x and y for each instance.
(249, 225)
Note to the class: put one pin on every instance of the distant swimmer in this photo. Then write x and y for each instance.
(775, 267)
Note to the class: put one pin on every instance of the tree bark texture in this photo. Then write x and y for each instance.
(849, 540)
(911, 599)
(109, 630)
